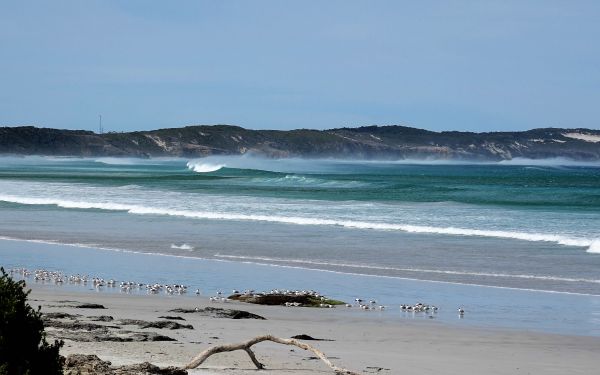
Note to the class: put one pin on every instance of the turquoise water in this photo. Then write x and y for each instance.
(521, 225)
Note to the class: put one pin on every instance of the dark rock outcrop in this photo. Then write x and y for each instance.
(308, 338)
(82, 364)
(218, 312)
(89, 306)
(59, 315)
(169, 317)
(101, 318)
(75, 325)
(66, 327)
(162, 324)
(100, 335)
(274, 299)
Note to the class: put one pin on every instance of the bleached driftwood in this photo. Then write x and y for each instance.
(245, 346)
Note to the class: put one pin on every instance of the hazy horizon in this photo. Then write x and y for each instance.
(96, 130)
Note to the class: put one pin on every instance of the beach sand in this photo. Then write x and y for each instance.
(362, 341)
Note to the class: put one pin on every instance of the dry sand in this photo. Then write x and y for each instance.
(361, 341)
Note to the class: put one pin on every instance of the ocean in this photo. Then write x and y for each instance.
(518, 226)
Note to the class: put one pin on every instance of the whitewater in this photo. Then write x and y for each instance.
(592, 244)
(525, 225)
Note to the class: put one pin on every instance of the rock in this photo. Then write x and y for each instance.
(376, 369)
(158, 324)
(307, 337)
(106, 335)
(150, 336)
(89, 306)
(148, 369)
(81, 364)
(76, 325)
(101, 318)
(171, 317)
(59, 315)
(218, 312)
(282, 299)
(167, 325)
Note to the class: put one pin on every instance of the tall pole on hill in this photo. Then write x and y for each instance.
(100, 125)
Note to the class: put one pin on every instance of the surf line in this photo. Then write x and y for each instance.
(592, 245)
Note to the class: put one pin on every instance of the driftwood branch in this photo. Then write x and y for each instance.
(245, 346)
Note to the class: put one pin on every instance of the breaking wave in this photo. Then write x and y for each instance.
(592, 244)
(200, 167)
(594, 247)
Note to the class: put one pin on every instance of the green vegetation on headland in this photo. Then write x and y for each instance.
(368, 142)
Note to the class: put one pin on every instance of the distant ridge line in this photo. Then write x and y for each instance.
(391, 142)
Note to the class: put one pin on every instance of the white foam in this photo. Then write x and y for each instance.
(201, 167)
(117, 161)
(594, 247)
(183, 246)
(590, 243)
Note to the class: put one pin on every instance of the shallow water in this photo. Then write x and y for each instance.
(485, 306)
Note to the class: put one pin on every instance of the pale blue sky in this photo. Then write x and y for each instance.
(440, 65)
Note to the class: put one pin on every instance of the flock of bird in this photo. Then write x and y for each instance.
(418, 307)
(59, 278)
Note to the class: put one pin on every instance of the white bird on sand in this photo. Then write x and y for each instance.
(461, 311)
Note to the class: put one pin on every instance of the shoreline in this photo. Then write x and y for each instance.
(361, 343)
(485, 307)
(242, 260)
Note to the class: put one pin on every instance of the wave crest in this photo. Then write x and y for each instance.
(202, 167)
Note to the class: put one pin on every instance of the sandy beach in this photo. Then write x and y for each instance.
(365, 343)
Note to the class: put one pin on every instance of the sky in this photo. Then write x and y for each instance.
(440, 65)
